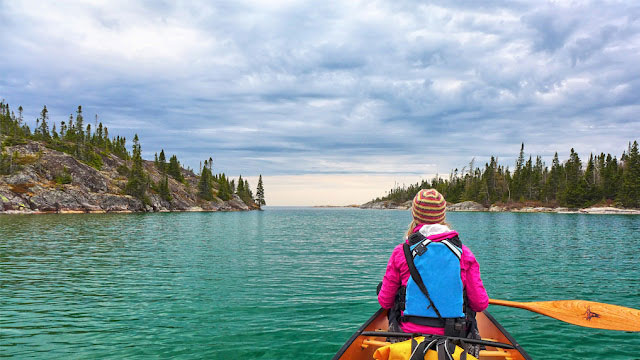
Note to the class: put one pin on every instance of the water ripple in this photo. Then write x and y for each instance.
(284, 283)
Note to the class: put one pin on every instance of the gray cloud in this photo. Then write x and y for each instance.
(299, 88)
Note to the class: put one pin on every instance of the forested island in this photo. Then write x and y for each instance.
(72, 167)
(604, 182)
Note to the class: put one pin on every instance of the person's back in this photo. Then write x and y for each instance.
(432, 281)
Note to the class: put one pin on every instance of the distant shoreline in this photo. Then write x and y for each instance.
(470, 206)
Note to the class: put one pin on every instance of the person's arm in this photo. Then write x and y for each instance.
(476, 293)
(390, 283)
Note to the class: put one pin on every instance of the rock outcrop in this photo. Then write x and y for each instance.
(386, 204)
(466, 206)
(609, 210)
(52, 181)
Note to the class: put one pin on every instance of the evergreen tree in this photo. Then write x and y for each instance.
(240, 187)
(610, 179)
(517, 188)
(174, 168)
(137, 182)
(244, 191)
(260, 192)
(248, 192)
(162, 162)
(574, 192)
(630, 190)
(556, 179)
(164, 190)
(224, 188)
(43, 130)
(205, 185)
(591, 193)
(79, 124)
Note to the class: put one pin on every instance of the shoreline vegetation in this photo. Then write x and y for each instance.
(472, 206)
(606, 185)
(77, 170)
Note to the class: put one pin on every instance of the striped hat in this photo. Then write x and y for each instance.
(428, 207)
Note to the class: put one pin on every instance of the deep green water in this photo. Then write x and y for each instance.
(285, 283)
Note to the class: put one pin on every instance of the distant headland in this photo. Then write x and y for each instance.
(72, 169)
(605, 186)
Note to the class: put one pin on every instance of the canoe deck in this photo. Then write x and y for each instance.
(360, 347)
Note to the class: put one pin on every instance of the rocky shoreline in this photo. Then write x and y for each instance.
(470, 206)
(50, 181)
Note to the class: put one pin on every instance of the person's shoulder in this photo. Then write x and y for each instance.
(399, 247)
(467, 254)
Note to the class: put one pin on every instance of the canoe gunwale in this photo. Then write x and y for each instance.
(507, 335)
(356, 334)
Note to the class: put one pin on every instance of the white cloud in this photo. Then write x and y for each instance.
(291, 87)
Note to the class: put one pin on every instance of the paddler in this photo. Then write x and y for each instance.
(432, 284)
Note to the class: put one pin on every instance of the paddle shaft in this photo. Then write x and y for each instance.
(582, 313)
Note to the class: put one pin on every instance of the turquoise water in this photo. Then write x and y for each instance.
(285, 283)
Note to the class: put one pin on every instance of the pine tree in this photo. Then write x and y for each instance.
(260, 192)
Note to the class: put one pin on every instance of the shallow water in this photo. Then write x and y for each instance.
(285, 283)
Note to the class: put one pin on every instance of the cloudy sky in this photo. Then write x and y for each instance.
(333, 102)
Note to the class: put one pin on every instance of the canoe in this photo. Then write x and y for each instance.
(360, 347)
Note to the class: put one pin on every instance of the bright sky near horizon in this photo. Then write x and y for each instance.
(333, 102)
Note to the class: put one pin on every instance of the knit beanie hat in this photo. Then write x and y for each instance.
(428, 207)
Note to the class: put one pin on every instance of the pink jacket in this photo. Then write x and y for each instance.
(398, 274)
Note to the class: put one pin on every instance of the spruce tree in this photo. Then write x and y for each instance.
(174, 168)
(591, 193)
(162, 162)
(137, 182)
(260, 192)
(240, 187)
(205, 185)
(164, 190)
(518, 178)
(224, 188)
(630, 191)
(610, 179)
(44, 125)
(574, 192)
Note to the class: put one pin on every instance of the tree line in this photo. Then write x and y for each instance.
(603, 180)
(90, 145)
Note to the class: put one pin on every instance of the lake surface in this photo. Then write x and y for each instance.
(286, 283)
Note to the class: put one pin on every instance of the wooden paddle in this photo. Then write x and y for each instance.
(582, 313)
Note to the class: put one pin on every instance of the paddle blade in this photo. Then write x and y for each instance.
(583, 313)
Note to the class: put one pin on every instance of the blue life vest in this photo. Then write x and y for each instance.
(438, 265)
